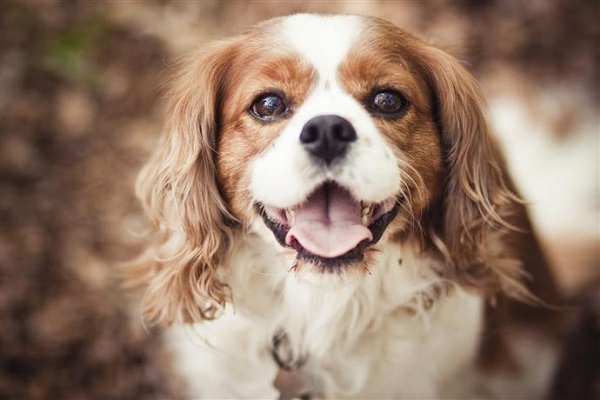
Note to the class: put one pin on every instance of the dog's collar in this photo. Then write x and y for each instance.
(283, 354)
(425, 300)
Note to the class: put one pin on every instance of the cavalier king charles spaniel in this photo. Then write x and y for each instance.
(332, 210)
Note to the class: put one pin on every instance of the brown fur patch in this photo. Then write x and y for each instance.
(242, 136)
(369, 67)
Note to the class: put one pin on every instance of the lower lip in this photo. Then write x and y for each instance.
(354, 256)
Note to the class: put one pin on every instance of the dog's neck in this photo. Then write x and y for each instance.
(328, 314)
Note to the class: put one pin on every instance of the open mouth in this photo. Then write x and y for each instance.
(330, 228)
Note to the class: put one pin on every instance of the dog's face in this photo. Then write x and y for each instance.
(335, 135)
(329, 138)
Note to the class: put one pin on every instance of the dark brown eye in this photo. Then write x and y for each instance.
(388, 103)
(268, 107)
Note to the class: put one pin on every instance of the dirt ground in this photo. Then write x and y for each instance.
(80, 111)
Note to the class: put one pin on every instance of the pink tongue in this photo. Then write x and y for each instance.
(328, 224)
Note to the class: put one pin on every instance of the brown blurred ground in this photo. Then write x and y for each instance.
(80, 111)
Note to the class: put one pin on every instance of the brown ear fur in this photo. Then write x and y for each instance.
(484, 231)
(178, 190)
(479, 198)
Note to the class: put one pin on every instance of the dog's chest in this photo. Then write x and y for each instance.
(399, 331)
(405, 353)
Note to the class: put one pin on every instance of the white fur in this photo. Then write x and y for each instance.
(363, 338)
(323, 41)
(367, 338)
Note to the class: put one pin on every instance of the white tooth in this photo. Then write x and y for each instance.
(366, 211)
(290, 214)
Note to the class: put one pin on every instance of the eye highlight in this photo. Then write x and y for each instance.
(269, 107)
(387, 103)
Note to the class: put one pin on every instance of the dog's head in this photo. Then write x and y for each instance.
(335, 135)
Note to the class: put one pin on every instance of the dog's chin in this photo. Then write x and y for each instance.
(330, 231)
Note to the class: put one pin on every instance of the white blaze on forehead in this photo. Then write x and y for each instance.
(323, 40)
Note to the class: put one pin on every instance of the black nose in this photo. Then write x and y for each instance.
(327, 136)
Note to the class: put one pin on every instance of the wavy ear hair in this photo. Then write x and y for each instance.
(178, 190)
(479, 197)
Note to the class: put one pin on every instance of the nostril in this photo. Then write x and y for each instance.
(310, 134)
(338, 132)
(343, 132)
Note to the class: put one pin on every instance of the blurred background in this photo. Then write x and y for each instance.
(81, 109)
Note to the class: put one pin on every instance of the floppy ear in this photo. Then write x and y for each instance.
(178, 190)
(479, 199)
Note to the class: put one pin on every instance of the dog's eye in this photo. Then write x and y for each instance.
(268, 107)
(388, 103)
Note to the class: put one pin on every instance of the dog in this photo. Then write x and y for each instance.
(331, 210)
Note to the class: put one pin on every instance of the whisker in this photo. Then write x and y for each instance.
(411, 179)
